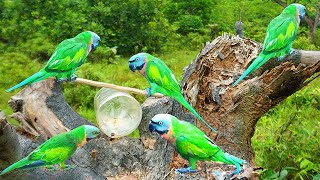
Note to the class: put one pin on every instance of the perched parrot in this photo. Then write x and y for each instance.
(161, 79)
(66, 58)
(57, 149)
(191, 143)
(281, 32)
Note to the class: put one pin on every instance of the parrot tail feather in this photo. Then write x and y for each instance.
(22, 164)
(235, 161)
(185, 103)
(33, 165)
(254, 65)
(42, 74)
(229, 159)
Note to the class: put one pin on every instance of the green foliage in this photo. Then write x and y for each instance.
(14, 67)
(286, 140)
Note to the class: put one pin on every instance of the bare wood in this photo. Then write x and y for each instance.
(30, 108)
(116, 87)
(234, 111)
(309, 57)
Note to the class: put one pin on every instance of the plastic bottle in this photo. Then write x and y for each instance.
(118, 114)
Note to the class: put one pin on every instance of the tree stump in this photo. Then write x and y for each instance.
(206, 84)
(234, 111)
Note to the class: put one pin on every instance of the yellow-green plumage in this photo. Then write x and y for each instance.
(66, 58)
(191, 143)
(161, 79)
(281, 32)
(55, 150)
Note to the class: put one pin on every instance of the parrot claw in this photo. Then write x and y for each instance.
(281, 57)
(149, 92)
(186, 170)
(291, 52)
(60, 80)
(229, 176)
(52, 168)
(68, 167)
(73, 77)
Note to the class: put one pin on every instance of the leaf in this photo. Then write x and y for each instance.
(305, 163)
(283, 174)
(316, 177)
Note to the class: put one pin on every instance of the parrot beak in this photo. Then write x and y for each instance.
(132, 67)
(151, 127)
(94, 47)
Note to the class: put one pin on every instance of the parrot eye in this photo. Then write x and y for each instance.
(136, 59)
(160, 122)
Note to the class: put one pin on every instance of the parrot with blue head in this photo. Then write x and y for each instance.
(191, 143)
(281, 32)
(57, 149)
(66, 58)
(161, 79)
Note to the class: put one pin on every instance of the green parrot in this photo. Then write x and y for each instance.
(57, 149)
(161, 79)
(66, 58)
(281, 32)
(191, 143)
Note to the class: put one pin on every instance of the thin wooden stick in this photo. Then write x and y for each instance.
(112, 86)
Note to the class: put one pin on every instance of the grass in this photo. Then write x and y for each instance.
(286, 140)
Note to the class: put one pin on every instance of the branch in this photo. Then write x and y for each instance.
(112, 86)
(281, 3)
(309, 57)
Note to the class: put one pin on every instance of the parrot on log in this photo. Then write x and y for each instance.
(161, 80)
(191, 143)
(66, 58)
(56, 150)
(281, 32)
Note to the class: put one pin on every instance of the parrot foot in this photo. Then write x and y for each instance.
(149, 92)
(52, 168)
(186, 170)
(291, 52)
(68, 167)
(280, 58)
(73, 77)
(60, 80)
(229, 176)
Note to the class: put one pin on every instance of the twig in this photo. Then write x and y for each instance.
(112, 86)
(167, 174)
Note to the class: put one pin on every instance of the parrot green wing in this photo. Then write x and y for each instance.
(55, 150)
(159, 73)
(192, 142)
(69, 55)
(53, 155)
(281, 32)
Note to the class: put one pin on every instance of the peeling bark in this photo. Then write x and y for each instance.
(234, 111)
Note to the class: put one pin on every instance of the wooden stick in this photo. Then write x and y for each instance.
(112, 86)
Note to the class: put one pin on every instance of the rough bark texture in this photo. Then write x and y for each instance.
(234, 111)
(207, 85)
(100, 158)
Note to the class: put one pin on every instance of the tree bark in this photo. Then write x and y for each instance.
(234, 111)
(206, 84)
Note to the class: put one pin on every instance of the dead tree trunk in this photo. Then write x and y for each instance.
(207, 85)
(234, 111)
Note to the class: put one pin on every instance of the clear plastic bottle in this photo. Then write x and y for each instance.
(118, 114)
